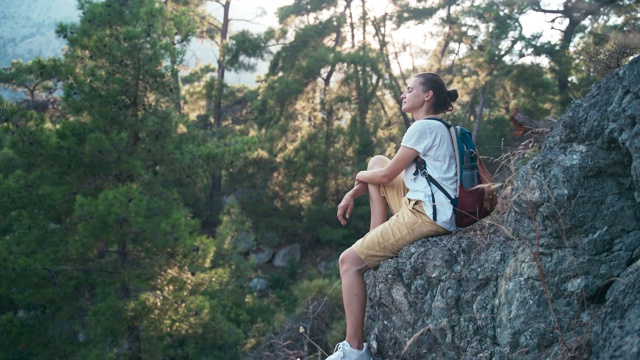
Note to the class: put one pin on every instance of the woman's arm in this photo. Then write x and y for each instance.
(385, 175)
(346, 205)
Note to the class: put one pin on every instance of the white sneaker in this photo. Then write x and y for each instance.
(344, 351)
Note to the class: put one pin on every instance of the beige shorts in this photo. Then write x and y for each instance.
(408, 224)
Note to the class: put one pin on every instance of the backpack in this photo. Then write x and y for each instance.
(476, 195)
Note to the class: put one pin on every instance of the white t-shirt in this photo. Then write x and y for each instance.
(432, 140)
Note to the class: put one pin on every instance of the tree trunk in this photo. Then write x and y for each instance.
(215, 190)
(395, 84)
(479, 114)
(134, 344)
(446, 41)
(327, 113)
(365, 141)
(563, 63)
(175, 75)
(219, 87)
(575, 12)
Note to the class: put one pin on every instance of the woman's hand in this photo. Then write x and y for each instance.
(345, 207)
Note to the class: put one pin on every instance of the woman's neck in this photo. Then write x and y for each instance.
(417, 117)
(424, 112)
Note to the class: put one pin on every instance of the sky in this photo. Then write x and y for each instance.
(263, 13)
(253, 15)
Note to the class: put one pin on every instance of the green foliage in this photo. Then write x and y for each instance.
(529, 89)
(123, 218)
(496, 131)
(292, 59)
(324, 288)
(320, 221)
(202, 157)
(198, 75)
(37, 78)
(130, 38)
(9, 162)
(105, 259)
(303, 7)
(409, 14)
(245, 45)
(607, 49)
(282, 91)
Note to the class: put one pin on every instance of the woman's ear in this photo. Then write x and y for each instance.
(428, 95)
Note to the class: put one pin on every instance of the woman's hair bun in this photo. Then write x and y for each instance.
(443, 97)
(452, 95)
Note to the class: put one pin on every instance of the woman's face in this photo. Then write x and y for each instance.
(414, 97)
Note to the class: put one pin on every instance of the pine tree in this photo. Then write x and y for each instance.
(102, 258)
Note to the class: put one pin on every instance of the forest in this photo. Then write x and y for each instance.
(136, 193)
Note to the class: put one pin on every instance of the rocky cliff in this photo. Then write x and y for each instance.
(556, 275)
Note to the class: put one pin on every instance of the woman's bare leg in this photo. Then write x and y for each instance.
(377, 203)
(352, 267)
(354, 295)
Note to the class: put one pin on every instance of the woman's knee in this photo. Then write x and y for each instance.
(350, 261)
(377, 162)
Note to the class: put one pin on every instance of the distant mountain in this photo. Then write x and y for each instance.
(27, 28)
(27, 31)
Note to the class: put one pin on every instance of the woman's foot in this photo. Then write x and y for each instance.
(344, 351)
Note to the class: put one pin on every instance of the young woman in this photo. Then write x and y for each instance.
(398, 184)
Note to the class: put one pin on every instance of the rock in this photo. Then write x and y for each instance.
(555, 276)
(286, 255)
(244, 242)
(258, 284)
(325, 266)
(262, 255)
(619, 336)
(229, 199)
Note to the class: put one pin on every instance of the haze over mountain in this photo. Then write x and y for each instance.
(27, 28)
(27, 31)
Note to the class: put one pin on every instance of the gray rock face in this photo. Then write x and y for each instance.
(556, 276)
(244, 242)
(262, 255)
(287, 254)
(258, 284)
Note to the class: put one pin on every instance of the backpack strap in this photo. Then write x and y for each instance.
(437, 184)
(440, 121)
(454, 141)
(421, 167)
